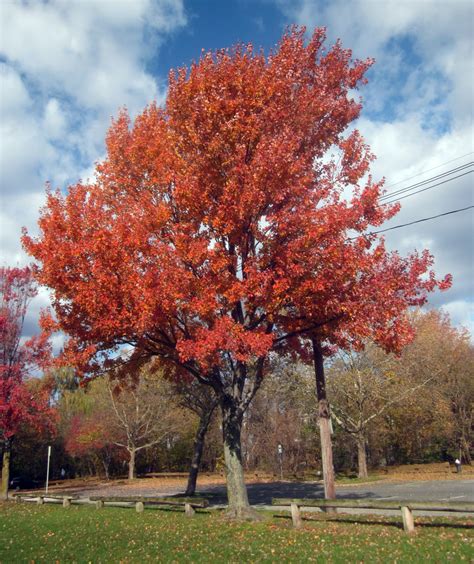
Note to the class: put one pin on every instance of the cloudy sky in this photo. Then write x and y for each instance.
(66, 66)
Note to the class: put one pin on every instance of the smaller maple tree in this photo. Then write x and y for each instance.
(90, 437)
(23, 400)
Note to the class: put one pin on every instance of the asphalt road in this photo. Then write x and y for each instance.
(442, 490)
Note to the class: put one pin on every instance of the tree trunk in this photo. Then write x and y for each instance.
(361, 456)
(204, 421)
(5, 469)
(131, 464)
(105, 464)
(465, 450)
(324, 422)
(239, 507)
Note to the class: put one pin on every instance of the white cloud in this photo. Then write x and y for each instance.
(13, 93)
(461, 313)
(91, 51)
(54, 120)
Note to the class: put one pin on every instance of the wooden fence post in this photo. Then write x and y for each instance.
(139, 507)
(296, 516)
(188, 510)
(408, 521)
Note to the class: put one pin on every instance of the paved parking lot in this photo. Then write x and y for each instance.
(441, 490)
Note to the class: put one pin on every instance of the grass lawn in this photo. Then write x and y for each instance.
(50, 533)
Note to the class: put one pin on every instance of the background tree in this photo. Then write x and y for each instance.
(283, 414)
(23, 401)
(200, 400)
(371, 388)
(459, 390)
(440, 357)
(144, 412)
(363, 386)
(89, 437)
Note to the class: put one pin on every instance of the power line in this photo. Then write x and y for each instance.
(428, 188)
(429, 170)
(423, 183)
(427, 181)
(417, 221)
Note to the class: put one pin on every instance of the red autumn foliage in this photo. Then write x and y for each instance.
(87, 435)
(222, 197)
(23, 400)
(91, 439)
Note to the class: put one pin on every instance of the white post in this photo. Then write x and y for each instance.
(47, 468)
(280, 457)
(408, 521)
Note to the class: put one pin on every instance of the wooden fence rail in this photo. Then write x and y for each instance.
(189, 504)
(405, 506)
(40, 499)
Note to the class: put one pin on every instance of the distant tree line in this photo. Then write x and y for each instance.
(386, 410)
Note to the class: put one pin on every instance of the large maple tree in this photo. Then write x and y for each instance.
(218, 228)
(23, 401)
